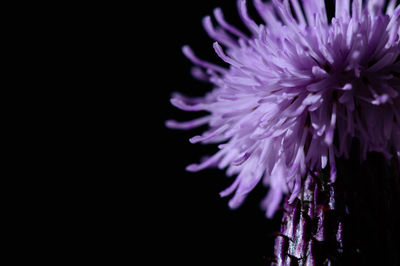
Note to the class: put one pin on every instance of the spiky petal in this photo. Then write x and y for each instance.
(297, 92)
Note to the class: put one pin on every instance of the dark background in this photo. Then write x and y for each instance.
(190, 223)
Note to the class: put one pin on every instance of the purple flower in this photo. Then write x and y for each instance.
(297, 92)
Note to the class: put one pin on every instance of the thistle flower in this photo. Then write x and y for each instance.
(297, 92)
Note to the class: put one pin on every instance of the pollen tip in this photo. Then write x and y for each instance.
(170, 123)
(187, 51)
(192, 168)
(195, 139)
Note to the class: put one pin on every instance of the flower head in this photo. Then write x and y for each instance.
(297, 92)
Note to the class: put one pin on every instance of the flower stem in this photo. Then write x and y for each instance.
(354, 221)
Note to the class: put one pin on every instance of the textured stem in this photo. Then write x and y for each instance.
(352, 222)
